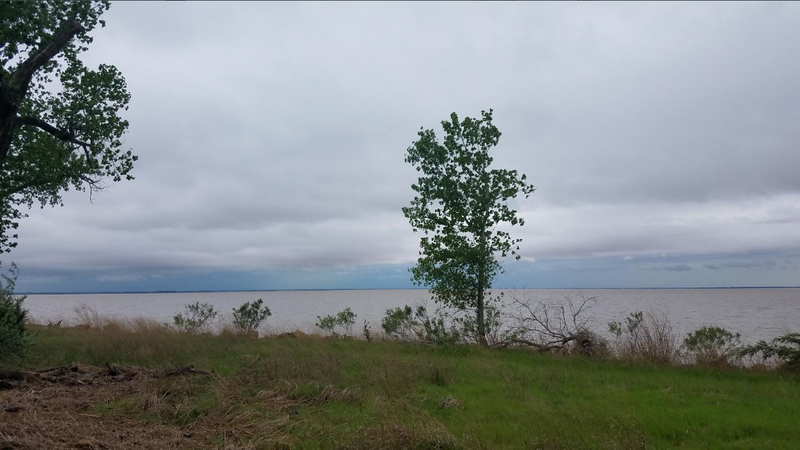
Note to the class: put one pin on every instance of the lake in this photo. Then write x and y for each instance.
(756, 313)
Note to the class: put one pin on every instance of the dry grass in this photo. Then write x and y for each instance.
(399, 436)
(88, 317)
(653, 340)
(61, 414)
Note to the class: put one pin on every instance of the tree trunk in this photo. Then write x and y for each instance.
(8, 116)
(480, 310)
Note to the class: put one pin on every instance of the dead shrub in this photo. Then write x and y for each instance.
(645, 337)
(552, 325)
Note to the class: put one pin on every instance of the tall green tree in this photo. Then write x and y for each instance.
(460, 202)
(60, 127)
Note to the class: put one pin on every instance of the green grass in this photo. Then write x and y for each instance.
(309, 392)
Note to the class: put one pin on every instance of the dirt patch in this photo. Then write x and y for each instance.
(53, 408)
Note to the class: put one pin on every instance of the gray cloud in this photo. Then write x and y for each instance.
(742, 264)
(276, 140)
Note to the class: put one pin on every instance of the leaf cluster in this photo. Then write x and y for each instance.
(414, 325)
(195, 317)
(712, 345)
(250, 316)
(786, 348)
(340, 324)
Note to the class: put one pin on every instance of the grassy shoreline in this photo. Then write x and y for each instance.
(307, 391)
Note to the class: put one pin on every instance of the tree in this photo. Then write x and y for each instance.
(460, 202)
(60, 127)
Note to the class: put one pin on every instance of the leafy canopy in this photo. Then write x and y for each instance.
(459, 203)
(60, 127)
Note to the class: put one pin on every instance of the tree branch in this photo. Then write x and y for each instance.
(18, 85)
(57, 132)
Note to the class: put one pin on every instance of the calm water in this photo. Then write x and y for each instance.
(756, 313)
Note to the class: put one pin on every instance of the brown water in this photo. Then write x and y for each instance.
(756, 313)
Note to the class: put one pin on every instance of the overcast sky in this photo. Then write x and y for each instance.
(664, 140)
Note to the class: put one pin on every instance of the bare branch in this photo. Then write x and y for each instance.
(549, 324)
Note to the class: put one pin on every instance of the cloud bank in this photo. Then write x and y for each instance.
(271, 139)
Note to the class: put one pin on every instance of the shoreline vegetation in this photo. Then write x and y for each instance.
(106, 383)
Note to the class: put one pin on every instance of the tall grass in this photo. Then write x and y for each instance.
(647, 337)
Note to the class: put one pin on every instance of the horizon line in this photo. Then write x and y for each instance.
(203, 291)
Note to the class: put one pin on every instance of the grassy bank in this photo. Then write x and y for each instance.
(310, 392)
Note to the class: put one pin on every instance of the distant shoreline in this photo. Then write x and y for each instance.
(400, 289)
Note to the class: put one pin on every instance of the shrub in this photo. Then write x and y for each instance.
(468, 326)
(343, 321)
(249, 317)
(785, 348)
(712, 345)
(195, 317)
(367, 332)
(13, 339)
(407, 324)
(645, 338)
(400, 324)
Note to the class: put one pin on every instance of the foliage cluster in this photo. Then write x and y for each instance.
(196, 317)
(409, 324)
(785, 349)
(250, 316)
(340, 324)
(13, 337)
(712, 345)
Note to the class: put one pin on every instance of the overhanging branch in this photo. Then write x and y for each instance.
(57, 132)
